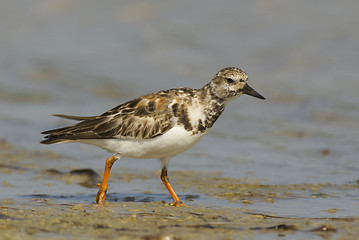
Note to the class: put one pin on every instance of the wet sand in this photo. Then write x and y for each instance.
(45, 219)
(142, 216)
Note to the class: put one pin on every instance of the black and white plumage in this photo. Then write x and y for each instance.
(158, 125)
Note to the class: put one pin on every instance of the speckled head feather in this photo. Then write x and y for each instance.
(231, 82)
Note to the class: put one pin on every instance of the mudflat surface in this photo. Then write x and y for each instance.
(218, 207)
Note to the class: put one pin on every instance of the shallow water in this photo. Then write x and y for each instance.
(294, 155)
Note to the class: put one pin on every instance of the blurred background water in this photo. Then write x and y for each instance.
(85, 57)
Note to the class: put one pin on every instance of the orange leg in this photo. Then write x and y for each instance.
(176, 201)
(101, 194)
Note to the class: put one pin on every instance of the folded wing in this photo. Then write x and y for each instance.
(142, 118)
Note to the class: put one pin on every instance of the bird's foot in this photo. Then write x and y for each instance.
(101, 195)
(178, 204)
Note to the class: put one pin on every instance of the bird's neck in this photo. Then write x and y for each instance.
(198, 116)
(214, 107)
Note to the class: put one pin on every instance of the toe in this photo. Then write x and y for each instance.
(178, 204)
(100, 197)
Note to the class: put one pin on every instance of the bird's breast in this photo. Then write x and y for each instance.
(173, 142)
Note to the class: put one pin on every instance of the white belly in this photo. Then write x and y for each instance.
(173, 142)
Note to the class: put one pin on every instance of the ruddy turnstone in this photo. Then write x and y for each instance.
(158, 125)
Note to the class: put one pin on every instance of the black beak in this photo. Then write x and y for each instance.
(250, 91)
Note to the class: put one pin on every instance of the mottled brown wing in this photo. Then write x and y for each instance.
(142, 118)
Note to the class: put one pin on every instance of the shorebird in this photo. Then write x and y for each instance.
(157, 125)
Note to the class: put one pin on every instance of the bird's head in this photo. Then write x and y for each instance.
(230, 83)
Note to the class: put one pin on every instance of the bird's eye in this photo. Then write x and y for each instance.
(229, 80)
